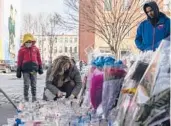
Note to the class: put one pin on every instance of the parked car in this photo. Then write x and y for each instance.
(7, 67)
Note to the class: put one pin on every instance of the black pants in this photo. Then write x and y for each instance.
(67, 88)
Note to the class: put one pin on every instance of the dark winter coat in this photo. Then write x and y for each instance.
(74, 78)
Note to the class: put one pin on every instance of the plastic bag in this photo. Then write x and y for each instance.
(86, 101)
(162, 80)
(142, 96)
(88, 82)
(99, 110)
(161, 85)
(113, 69)
(131, 81)
(111, 90)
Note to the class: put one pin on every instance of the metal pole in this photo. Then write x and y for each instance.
(9, 99)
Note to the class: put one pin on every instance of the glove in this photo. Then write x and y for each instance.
(40, 71)
(55, 99)
(18, 74)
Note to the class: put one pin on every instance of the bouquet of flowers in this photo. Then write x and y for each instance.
(113, 78)
(97, 83)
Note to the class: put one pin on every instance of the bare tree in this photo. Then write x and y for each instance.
(41, 26)
(111, 20)
(36, 26)
(53, 26)
(28, 23)
(42, 32)
(169, 5)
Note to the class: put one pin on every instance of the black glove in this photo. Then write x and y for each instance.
(55, 99)
(40, 71)
(18, 74)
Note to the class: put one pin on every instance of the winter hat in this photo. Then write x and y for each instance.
(28, 37)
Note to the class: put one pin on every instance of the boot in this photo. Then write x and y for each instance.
(34, 99)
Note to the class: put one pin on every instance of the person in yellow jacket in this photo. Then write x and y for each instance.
(29, 63)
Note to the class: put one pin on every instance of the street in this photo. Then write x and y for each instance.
(13, 87)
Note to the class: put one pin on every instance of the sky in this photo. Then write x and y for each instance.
(46, 6)
(35, 7)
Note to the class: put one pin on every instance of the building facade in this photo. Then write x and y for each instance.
(86, 39)
(66, 45)
(62, 45)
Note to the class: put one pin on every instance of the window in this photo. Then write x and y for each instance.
(60, 49)
(104, 49)
(70, 50)
(124, 53)
(75, 49)
(56, 39)
(126, 5)
(166, 5)
(55, 50)
(61, 40)
(66, 39)
(75, 40)
(66, 49)
(108, 5)
(70, 39)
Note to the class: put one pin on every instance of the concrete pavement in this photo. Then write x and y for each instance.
(6, 111)
(13, 87)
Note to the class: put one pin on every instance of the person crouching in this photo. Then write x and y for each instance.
(62, 78)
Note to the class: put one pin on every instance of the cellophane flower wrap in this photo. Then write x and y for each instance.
(113, 78)
(96, 86)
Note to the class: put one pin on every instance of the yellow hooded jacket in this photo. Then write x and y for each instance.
(28, 37)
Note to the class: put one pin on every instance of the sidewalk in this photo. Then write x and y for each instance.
(6, 111)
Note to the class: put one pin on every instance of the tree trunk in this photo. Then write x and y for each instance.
(51, 50)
